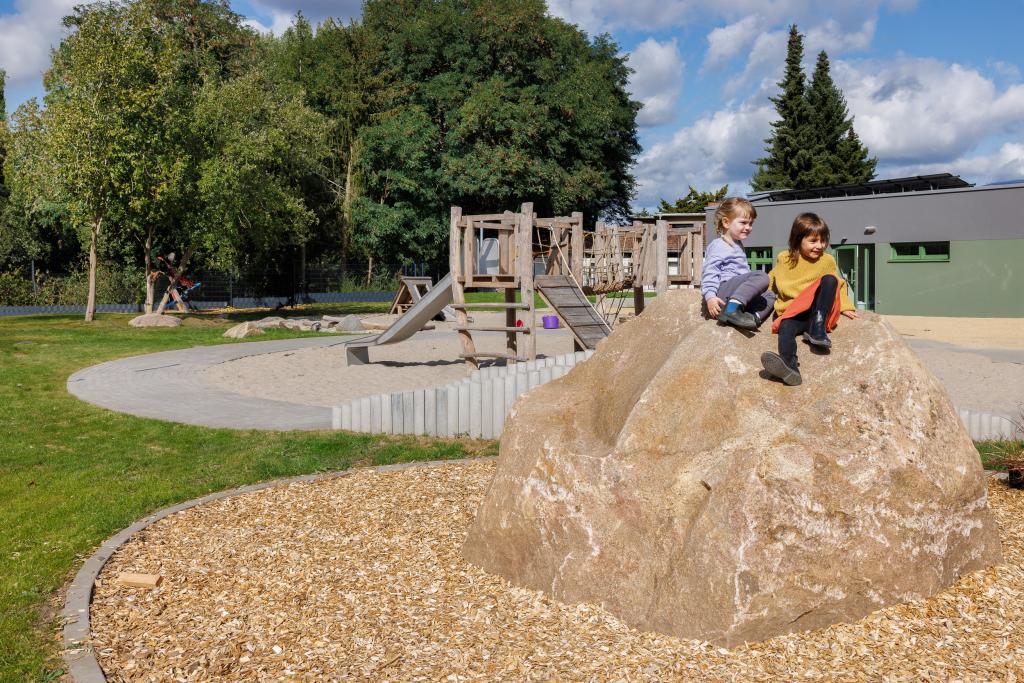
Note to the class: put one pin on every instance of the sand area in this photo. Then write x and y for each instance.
(319, 376)
(979, 360)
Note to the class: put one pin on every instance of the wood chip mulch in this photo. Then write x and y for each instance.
(360, 578)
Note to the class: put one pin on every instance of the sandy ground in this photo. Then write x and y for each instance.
(962, 352)
(319, 376)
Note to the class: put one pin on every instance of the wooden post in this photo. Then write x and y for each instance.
(524, 267)
(698, 255)
(455, 262)
(661, 277)
(576, 247)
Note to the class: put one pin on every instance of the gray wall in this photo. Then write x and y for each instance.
(982, 213)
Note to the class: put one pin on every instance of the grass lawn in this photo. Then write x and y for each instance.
(74, 474)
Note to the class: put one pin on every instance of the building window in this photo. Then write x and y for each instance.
(920, 251)
(759, 258)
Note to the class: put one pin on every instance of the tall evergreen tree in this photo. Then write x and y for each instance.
(839, 157)
(789, 161)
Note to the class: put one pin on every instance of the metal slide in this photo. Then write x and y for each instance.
(411, 322)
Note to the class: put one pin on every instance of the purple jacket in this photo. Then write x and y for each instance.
(722, 262)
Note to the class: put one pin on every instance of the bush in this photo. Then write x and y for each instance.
(15, 290)
(114, 285)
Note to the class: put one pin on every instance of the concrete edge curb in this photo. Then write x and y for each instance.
(78, 654)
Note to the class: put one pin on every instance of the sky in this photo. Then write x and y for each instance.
(934, 86)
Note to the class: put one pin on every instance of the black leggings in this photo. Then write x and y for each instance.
(791, 328)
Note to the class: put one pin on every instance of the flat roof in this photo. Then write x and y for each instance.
(919, 183)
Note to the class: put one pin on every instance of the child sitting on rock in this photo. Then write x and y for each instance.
(810, 296)
(729, 287)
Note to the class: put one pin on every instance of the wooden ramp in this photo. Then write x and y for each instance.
(561, 293)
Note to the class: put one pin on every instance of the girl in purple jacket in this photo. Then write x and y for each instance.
(734, 294)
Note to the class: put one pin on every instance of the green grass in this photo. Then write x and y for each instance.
(994, 454)
(74, 474)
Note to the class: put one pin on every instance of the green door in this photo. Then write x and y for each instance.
(854, 261)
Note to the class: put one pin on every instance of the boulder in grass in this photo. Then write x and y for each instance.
(347, 323)
(668, 480)
(270, 322)
(249, 328)
(155, 320)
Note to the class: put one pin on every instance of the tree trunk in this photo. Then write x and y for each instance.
(369, 271)
(346, 206)
(90, 305)
(151, 274)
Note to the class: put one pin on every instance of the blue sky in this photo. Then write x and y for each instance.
(934, 85)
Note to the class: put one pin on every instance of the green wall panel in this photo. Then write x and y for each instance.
(983, 278)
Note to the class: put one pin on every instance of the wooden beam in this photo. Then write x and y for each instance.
(455, 262)
(576, 247)
(661, 265)
(139, 580)
(524, 268)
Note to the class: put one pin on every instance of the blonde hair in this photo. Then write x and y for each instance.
(730, 209)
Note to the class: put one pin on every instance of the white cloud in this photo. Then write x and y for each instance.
(657, 80)
(283, 11)
(596, 16)
(916, 111)
(715, 150)
(27, 35)
(1006, 163)
(280, 22)
(726, 42)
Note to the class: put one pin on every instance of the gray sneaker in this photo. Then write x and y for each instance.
(775, 366)
(740, 319)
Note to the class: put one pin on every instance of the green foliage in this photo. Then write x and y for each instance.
(116, 284)
(3, 139)
(694, 201)
(813, 143)
(258, 142)
(521, 106)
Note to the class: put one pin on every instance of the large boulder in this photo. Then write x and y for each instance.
(242, 330)
(155, 320)
(670, 481)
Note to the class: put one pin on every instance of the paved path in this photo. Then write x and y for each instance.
(167, 386)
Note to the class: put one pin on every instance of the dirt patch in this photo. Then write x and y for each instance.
(1001, 333)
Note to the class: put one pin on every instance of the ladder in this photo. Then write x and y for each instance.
(561, 293)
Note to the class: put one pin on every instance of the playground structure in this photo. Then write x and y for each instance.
(547, 257)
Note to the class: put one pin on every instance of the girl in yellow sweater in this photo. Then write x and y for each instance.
(810, 296)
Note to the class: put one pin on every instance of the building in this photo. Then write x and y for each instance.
(927, 245)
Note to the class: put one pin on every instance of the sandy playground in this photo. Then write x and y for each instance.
(980, 361)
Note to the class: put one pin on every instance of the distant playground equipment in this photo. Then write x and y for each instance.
(549, 257)
(182, 290)
(410, 290)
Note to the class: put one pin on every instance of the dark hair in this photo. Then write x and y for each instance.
(803, 225)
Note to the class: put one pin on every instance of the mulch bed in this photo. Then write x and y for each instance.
(360, 578)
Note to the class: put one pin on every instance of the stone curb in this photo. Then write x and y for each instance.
(78, 653)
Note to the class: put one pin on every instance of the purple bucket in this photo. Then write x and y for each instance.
(550, 322)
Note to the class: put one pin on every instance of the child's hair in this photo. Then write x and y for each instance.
(803, 225)
(731, 208)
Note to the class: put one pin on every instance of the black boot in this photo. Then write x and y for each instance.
(786, 369)
(816, 335)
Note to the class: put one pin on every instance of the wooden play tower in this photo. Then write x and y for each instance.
(553, 258)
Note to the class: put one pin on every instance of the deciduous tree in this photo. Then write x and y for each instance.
(695, 201)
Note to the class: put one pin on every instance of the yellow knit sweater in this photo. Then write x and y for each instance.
(788, 280)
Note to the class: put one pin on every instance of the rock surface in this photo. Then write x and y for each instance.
(670, 481)
(155, 320)
(242, 330)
